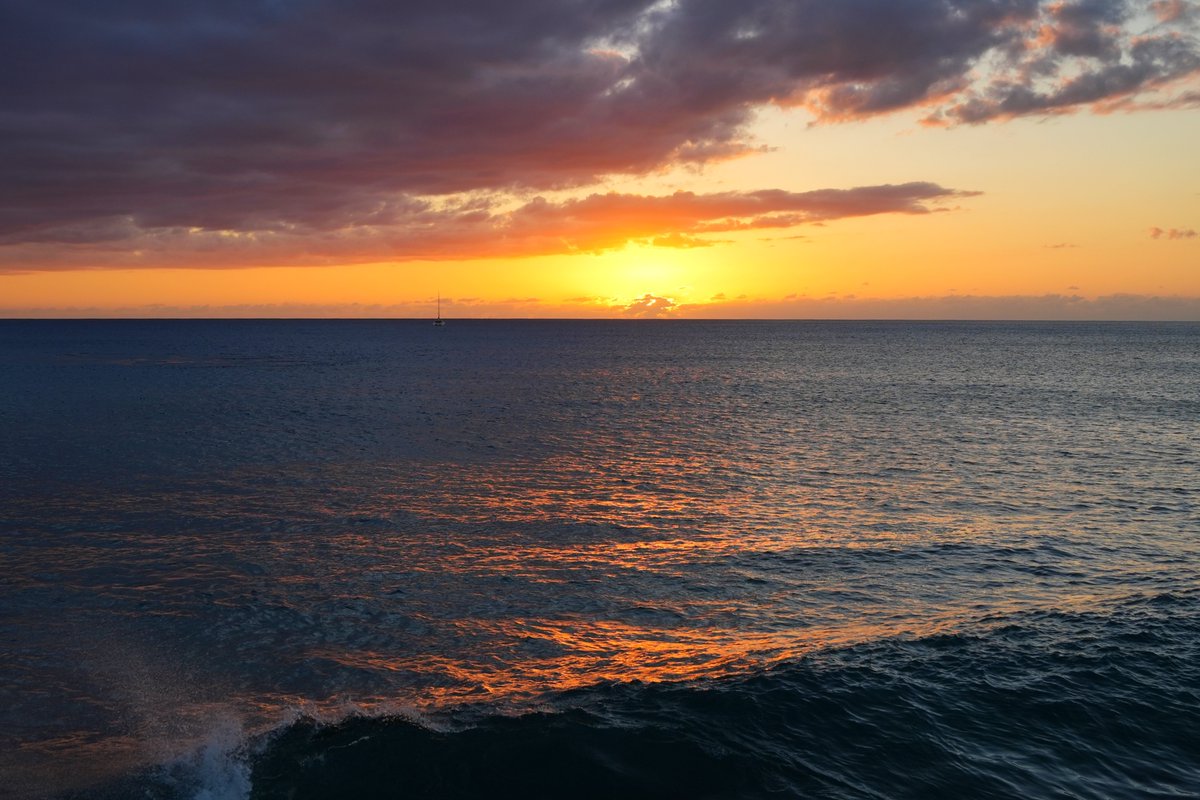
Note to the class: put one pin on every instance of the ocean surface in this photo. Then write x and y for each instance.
(527, 559)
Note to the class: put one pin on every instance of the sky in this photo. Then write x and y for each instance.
(978, 159)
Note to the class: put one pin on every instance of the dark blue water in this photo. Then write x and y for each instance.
(319, 559)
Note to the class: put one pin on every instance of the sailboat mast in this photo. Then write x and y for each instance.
(438, 320)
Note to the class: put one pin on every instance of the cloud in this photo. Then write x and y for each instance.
(262, 121)
(650, 306)
(1173, 233)
(683, 241)
(593, 223)
(1172, 10)
(1086, 52)
(1000, 307)
(954, 306)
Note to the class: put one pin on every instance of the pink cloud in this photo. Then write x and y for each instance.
(1171, 10)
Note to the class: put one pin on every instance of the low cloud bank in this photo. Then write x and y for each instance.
(979, 307)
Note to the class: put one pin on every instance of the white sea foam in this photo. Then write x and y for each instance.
(218, 769)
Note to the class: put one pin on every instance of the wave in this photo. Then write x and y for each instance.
(1042, 704)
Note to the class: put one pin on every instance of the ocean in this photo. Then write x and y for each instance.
(599, 559)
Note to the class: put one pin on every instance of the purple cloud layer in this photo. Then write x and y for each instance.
(130, 119)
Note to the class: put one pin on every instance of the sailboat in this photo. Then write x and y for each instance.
(439, 322)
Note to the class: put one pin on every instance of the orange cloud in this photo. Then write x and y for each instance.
(473, 230)
(1171, 10)
(650, 306)
(1172, 233)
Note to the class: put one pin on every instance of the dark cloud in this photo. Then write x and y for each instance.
(134, 120)
(1085, 28)
(1086, 52)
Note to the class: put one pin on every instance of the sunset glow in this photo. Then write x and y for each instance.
(1000, 158)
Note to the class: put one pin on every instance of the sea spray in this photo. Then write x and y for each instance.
(219, 769)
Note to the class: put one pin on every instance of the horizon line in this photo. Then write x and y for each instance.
(594, 319)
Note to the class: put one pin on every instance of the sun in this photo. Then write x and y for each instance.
(638, 270)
